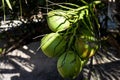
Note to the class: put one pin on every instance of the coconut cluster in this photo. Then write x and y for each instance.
(71, 47)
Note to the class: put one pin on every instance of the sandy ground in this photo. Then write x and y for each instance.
(29, 63)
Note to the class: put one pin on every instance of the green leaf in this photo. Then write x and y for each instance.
(9, 4)
(3, 6)
(0, 50)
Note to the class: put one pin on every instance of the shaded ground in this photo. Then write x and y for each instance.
(27, 63)
(24, 64)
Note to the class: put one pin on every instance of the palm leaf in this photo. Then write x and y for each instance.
(3, 6)
(9, 4)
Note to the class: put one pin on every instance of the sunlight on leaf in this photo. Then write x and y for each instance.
(9, 4)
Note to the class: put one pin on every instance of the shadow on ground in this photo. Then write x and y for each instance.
(29, 63)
